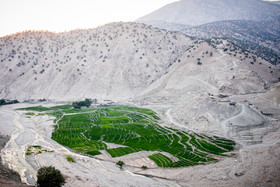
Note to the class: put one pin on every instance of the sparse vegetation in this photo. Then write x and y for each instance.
(120, 163)
(36, 149)
(70, 158)
(144, 167)
(30, 113)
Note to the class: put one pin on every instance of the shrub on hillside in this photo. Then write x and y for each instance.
(6, 102)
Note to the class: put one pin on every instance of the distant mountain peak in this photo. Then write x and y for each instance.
(197, 12)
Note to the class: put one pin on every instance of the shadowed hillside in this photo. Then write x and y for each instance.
(261, 38)
(197, 12)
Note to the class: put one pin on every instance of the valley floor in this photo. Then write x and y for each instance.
(254, 163)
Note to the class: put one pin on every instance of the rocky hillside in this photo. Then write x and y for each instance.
(197, 12)
(261, 38)
(114, 61)
(123, 60)
(202, 84)
(215, 66)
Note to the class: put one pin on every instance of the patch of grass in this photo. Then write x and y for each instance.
(93, 153)
(70, 158)
(41, 114)
(37, 146)
(30, 113)
(36, 108)
(28, 153)
(36, 149)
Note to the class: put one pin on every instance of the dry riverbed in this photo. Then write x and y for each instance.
(251, 164)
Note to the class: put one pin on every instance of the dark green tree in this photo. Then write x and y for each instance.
(120, 163)
(144, 167)
(49, 176)
(85, 103)
(2, 102)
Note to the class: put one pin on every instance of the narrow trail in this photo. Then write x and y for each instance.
(225, 122)
(228, 66)
(170, 118)
(211, 86)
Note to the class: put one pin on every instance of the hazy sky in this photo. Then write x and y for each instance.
(61, 15)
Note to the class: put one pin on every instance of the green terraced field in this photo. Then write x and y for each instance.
(88, 130)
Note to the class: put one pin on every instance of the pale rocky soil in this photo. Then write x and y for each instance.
(255, 162)
(85, 171)
(8, 177)
(115, 61)
(226, 95)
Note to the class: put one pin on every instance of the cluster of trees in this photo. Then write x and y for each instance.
(80, 104)
(49, 176)
(6, 102)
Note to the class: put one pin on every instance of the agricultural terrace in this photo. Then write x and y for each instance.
(88, 130)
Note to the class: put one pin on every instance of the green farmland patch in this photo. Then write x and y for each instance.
(89, 130)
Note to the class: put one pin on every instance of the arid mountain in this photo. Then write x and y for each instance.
(275, 2)
(114, 61)
(197, 12)
(120, 61)
(261, 38)
(200, 86)
(251, 24)
(168, 25)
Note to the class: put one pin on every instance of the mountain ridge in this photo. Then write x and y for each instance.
(197, 12)
(261, 38)
(68, 57)
(117, 61)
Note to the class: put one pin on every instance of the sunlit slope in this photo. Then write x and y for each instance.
(114, 61)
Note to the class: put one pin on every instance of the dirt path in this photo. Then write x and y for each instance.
(211, 86)
(226, 122)
(170, 118)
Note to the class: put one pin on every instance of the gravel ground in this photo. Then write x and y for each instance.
(255, 162)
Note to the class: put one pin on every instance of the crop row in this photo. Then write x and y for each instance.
(88, 131)
(120, 151)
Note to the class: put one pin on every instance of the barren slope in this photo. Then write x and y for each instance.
(115, 61)
(213, 88)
